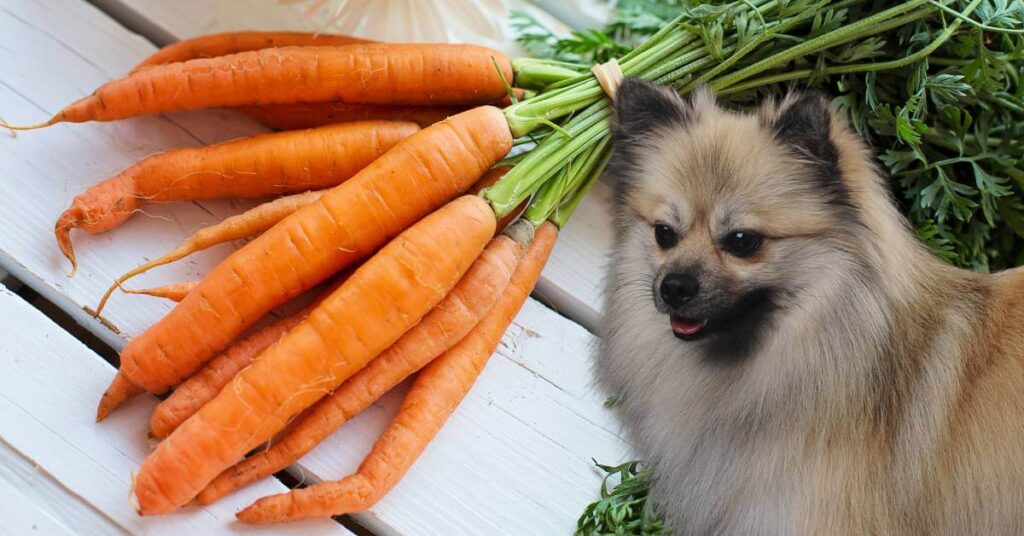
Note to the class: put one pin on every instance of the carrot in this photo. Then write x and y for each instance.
(174, 292)
(382, 299)
(247, 224)
(431, 399)
(222, 44)
(313, 114)
(199, 389)
(261, 166)
(344, 226)
(429, 75)
(202, 386)
(441, 329)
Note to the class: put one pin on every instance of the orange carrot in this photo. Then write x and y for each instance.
(261, 166)
(247, 224)
(382, 299)
(222, 44)
(314, 114)
(431, 399)
(199, 389)
(202, 386)
(428, 75)
(446, 325)
(174, 292)
(344, 226)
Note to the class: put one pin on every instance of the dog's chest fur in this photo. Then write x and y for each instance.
(822, 447)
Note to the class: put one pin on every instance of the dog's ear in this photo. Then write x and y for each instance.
(803, 121)
(642, 107)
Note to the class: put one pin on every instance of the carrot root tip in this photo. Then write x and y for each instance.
(133, 499)
(14, 128)
(261, 512)
(120, 391)
(62, 230)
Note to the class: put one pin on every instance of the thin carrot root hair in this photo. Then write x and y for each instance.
(174, 292)
(245, 225)
(52, 121)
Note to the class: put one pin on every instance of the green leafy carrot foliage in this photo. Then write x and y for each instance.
(933, 85)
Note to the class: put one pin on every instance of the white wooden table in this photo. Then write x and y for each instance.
(514, 459)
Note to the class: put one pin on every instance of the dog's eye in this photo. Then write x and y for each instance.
(665, 236)
(742, 243)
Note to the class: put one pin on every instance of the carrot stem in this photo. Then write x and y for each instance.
(569, 205)
(553, 192)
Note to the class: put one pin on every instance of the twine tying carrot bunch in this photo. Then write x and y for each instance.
(609, 76)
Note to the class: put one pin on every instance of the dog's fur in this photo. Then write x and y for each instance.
(851, 383)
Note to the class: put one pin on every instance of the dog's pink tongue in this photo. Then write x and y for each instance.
(687, 327)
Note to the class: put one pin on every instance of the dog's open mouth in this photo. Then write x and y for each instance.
(688, 329)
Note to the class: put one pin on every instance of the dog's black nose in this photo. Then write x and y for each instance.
(677, 289)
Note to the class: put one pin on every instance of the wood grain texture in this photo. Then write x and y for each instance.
(50, 381)
(514, 459)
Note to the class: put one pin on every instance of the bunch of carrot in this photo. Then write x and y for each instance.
(380, 191)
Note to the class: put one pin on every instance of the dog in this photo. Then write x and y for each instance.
(790, 358)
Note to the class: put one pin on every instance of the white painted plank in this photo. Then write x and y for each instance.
(60, 502)
(513, 460)
(20, 515)
(572, 280)
(47, 399)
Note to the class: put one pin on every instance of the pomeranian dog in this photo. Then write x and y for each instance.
(791, 360)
